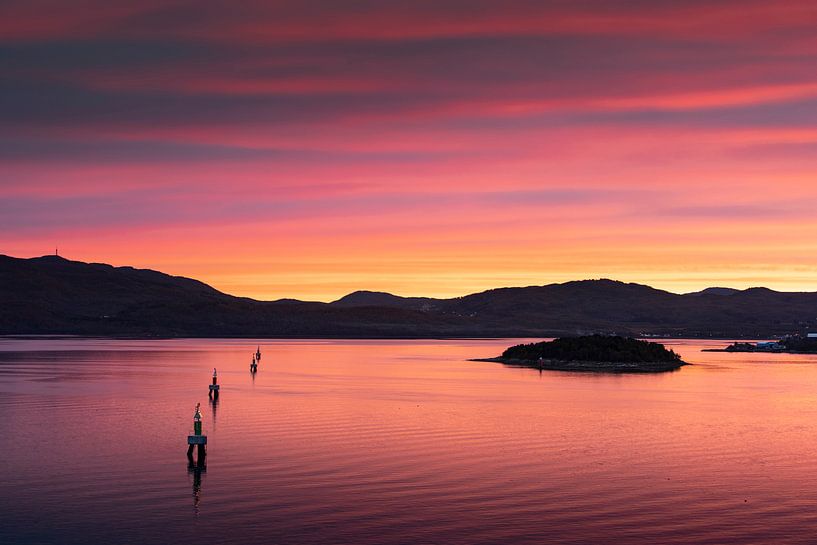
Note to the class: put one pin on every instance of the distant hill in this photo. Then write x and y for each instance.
(716, 291)
(382, 299)
(52, 295)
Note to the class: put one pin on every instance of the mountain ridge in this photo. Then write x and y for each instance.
(54, 295)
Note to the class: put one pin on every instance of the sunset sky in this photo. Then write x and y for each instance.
(311, 148)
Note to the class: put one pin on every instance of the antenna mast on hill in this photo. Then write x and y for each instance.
(56, 250)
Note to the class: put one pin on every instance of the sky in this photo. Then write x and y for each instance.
(312, 148)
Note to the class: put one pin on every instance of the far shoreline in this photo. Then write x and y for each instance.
(339, 337)
(590, 366)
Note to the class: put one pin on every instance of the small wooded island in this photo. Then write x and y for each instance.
(593, 353)
(791, 344)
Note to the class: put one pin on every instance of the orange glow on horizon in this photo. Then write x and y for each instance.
(430, 149)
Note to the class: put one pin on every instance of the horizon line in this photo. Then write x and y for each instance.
(365, 290)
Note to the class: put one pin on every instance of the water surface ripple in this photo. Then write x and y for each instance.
(400, 442)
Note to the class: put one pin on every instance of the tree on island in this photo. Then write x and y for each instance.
(599, 348)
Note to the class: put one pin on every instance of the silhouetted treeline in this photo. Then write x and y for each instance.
(600, 348)
(800, 344)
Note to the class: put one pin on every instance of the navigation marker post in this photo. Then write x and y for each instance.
(214, 387)
(198, 439)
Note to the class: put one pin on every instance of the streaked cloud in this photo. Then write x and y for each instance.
(309, 148)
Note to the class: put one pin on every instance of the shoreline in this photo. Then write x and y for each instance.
(758, 351)
(590, 366)
(125, 336)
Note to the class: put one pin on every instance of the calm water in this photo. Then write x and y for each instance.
(399, 442)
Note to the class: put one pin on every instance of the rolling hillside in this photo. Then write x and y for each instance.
(52, 295)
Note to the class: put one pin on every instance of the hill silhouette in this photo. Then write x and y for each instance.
(53, 295)
(382, 299)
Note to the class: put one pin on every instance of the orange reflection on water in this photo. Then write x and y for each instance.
(388, 441)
